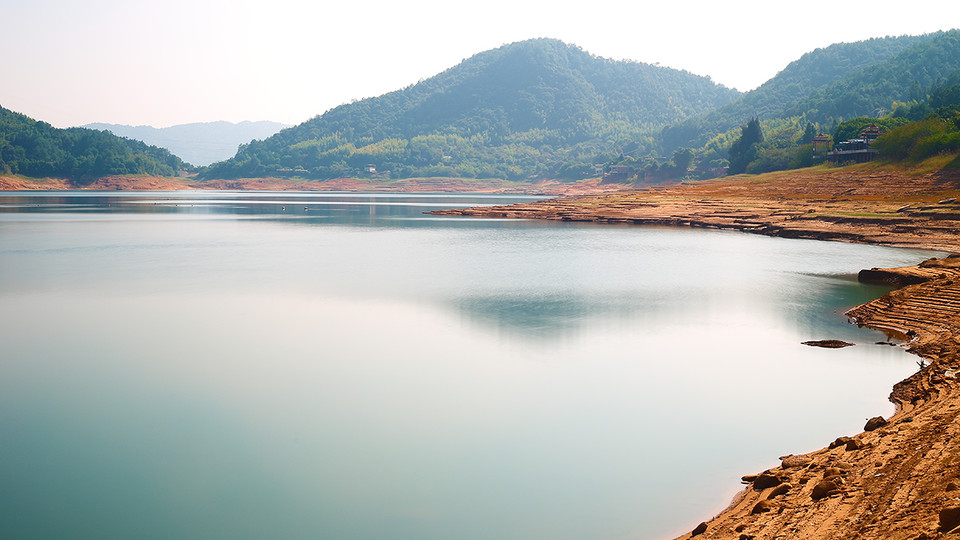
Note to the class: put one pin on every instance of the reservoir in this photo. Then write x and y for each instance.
(344, 366)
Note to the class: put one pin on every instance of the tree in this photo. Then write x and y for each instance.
(683, 158)
(747, 147)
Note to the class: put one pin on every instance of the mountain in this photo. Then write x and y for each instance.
(518, 111)
(37, 149)
(199, 143)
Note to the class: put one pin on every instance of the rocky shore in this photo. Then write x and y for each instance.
(900, 477)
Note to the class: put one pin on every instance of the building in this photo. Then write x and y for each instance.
(856, 150)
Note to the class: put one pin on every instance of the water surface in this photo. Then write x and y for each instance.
(303, 365)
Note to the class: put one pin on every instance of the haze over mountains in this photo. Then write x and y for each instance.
(199, 143)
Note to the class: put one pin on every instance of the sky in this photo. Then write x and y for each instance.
(162, 63)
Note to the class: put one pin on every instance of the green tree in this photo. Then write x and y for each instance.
(746, 148)
(683, 158)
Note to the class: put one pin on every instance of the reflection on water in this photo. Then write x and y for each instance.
(223, 365)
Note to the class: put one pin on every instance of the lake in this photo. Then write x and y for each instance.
(343, 366)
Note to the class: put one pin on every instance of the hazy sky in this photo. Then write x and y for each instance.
(160, 63)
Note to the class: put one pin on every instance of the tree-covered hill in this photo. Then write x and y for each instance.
(526, 109)
(37, 149)
(824, 86)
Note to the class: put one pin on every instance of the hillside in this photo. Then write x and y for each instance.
(200, 143)
(781, 96)
(522, 110)
(37, 149)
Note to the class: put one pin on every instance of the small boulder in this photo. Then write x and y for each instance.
(841, 441)
(830, 472)
(701, 528)
(766, 480)
(762, 506)
(952, 486)
(949, 518)
(788, 462)
(779, 490)
(823, 489)
(874, 423)
(828, 343)
(852, 445)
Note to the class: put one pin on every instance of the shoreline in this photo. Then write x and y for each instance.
(545, 188)
(900, 477)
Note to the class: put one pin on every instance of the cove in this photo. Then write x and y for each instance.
(227, 364)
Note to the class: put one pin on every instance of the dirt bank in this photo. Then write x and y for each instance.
(900, 479)
(546, 188)
(873, 205)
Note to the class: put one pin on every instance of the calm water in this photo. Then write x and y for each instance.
(227, 365)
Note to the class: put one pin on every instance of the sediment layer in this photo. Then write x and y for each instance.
(862, 205)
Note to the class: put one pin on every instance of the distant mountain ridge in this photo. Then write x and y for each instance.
(518, 111)
(199, 143)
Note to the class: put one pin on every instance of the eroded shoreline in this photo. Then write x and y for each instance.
(900, 477)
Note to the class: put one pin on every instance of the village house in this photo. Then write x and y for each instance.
(856, 150)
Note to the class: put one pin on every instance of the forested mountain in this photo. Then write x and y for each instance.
(823, 86)
(37, 149)
(533, 108)
(199, 143)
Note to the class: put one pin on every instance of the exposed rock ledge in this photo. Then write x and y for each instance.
(900, 478)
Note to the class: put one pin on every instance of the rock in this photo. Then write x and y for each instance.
(779, 490)
(830, 472)
(874, 423)
(740, 528)
(747, 537)
(844, 465)
(841, 441)
(766, 480)
(952, 486)
(701, 528)
(823, 489)
(949, 518)
(853, 444)
(749, 478)
(828, 343)
(788, 462)
(762, 506)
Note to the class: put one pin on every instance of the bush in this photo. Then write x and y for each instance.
(903, 142)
